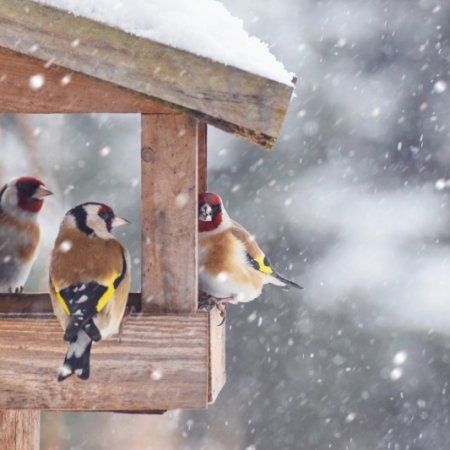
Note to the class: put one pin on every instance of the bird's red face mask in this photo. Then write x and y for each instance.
(209, 212)
(30, 194)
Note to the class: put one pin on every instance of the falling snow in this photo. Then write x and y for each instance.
(353, 203)
(37, 81)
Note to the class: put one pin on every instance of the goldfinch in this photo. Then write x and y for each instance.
(233, 268)
(20, 202)
(89, 282)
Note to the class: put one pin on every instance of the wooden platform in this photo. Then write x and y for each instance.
(165, 361)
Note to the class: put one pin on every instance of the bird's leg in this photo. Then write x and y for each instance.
(128, 311)
(221, 304)
(207, 302)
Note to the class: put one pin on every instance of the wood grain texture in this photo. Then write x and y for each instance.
(169, 213)
(40, 303)
(161, 363)
(229, 98)
(217, 363)
(19, 430)
(64, 91)
(202, 157)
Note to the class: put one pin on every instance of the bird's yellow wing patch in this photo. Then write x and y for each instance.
(106, 297)
(262, 264)
(63, 303)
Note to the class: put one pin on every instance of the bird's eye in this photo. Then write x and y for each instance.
(106, 215)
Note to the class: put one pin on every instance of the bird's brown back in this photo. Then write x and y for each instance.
(85, 261)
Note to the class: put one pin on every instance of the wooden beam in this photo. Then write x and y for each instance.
(169, 213)
(40, 303)
(64, 91)
(217, 364)
(27, 305)
(19, 430)
(161, 363)
(229, 98)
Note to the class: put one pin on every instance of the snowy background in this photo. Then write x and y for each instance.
(353, 204)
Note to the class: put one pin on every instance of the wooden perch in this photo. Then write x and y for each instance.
(162, 332)
(162, 361)
(236, 101)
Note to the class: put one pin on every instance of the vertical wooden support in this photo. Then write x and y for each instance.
(202, 157)
(217, 365)
(169, 212)
(216, 352)
(19, 429)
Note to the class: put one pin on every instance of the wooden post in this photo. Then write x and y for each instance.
(202, 157)
(19, 429)
(169, 213)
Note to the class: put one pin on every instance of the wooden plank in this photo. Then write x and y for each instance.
(64, 91)
(202, 157)
(229, 98)
(169, 213)
(19, 430)
(161, 363)
(217, 364)
(40, 303)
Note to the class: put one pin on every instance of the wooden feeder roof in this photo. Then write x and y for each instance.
(229, 98)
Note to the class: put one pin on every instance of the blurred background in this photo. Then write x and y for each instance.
(353, 204)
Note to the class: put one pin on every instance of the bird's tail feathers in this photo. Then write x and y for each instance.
(279, 280)
(77, 357)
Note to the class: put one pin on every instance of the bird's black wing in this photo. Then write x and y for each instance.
(81, 301)
(84, 300)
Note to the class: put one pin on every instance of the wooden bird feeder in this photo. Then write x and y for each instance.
(171, 356)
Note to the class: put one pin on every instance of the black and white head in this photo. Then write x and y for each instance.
(23, 197)
(94, 219)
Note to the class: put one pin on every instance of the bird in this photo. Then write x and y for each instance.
(89, 282)
(21, 201)
(232, 266)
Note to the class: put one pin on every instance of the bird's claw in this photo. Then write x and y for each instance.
(222, 307)
(15, 291)
(207, 302)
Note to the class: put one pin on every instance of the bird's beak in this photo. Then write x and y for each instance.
(118, 221)
(41, 192)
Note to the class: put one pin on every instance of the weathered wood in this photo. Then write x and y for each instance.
(19, 430)
(217, 363)
(40, 303)
(229, 98)
(169, 213)
(64, 91)
(161, 363)
(202, 157)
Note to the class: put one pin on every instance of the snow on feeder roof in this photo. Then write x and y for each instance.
(192, 56)
(202, 27)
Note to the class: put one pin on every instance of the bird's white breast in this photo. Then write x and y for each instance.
(224, 284)
(13, 271)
